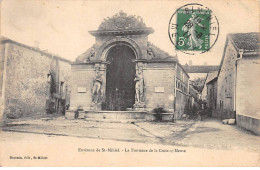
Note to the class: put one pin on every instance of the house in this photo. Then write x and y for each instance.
(211, 88)
(238, 83)
(194, 95)
(181, 90)
(32, 81)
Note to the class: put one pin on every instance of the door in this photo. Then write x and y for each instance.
(120, 74)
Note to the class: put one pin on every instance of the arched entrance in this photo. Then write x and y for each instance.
(120, 74)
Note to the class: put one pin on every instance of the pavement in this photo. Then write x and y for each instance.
(61, 142)
(151, 132)
(209, 133)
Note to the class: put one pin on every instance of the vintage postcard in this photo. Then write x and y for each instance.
(169, 83)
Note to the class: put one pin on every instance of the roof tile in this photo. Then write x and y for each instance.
(246, 41)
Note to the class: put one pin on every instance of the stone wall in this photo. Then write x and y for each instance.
(65, 74)
(248, 95)
(212, 95)
(26, 84)
(159, 86)
(2, 63)
(182, 90)
(2, 58)
(181, 100)
(158, 78)
(225, 97)
(249, 123)
(82, 78)
(223, 114)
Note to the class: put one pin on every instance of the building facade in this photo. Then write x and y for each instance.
(182, 91)
(226, 83)
(32, 81)
(236, 97)
(212, 91)
(124, 71)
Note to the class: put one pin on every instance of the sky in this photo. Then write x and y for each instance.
(62, 26)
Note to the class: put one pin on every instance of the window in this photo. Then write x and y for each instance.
(221, 104)
(61, 87)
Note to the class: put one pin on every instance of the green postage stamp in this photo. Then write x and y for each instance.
(193, 29)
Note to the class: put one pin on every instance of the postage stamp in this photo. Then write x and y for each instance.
(193, 29)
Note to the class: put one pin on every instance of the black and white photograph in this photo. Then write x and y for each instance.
(129, 83)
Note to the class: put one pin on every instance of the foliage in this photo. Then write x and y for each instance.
(198, 83)
(13, 112)
(158, 113)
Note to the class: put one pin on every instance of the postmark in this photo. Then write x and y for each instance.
(193, 29)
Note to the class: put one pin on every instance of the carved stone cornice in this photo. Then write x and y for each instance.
(91, 62)
(168, 60)
(147, 31)
(121, 21)
(122, 24)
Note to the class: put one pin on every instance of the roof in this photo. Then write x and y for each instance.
(179, 65)
(211, 77)
(87, 55)
(2, 39)
(158, 53)
(5, 40)
(155, 54)
(200, 68)
(246, 41)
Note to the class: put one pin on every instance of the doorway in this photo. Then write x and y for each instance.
(120, 74)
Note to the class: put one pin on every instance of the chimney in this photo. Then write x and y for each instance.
(190, 62)
(36, 44)
(241, 51)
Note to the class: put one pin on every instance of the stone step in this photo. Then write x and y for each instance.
(126, 116)
(114, 120)
(115, 114)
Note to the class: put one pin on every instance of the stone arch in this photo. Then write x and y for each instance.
(104, 49)
(120, 75)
